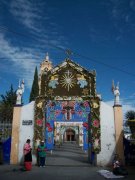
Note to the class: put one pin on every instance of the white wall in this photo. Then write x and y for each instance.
(107, 135)
(26, 131)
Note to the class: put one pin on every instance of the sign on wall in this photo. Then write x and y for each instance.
(26, 122)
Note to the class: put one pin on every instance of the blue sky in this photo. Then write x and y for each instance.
(100, 34)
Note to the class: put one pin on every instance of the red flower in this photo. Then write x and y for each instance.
(86, 104)
(39, 122)
(96, 123)
(50, 129)
(47, 124)
(85, 124)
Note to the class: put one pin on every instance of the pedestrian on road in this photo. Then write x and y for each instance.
(42, 154)
(27, 155)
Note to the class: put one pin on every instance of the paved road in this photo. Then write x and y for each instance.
(68, 162)
(69, 154)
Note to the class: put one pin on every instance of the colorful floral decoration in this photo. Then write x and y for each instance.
(95, 125)
(48, 127)
(86, 104)
(65, 81)
(85, 91)
(81, 81)
(39, 119)
(85, 124)
(39, 122)
(53, 81)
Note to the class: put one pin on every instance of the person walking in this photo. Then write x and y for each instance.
(42, 154)
(27, 155)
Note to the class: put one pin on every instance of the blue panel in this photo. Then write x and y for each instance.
(75, 111)
(6, 150)
(50, 135)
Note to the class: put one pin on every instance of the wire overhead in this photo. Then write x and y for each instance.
(67, 51)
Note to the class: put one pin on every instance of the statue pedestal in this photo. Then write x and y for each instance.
(15, 135)
(118, 120)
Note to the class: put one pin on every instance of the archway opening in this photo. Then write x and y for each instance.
(69, 135)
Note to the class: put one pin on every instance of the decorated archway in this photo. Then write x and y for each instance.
(62, 86)
(62, 115)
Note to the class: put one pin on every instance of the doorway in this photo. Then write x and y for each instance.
(70, 135)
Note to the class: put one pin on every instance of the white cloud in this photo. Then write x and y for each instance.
(26, 13)
(22, 60)
(38, 18)
(32, 17)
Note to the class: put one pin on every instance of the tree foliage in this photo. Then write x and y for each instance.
(7, 102)
(35, 87)
(130, 115)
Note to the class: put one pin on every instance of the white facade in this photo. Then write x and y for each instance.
(107, 152)
(26, 127)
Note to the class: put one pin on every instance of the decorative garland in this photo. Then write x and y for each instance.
(95, 125)
(94, 121)
(39, 119)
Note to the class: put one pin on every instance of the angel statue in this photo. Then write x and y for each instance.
(116, 92)
(19, 93)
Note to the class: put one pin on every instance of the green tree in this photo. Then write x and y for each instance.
(35, 87)
(130, 121)
(130, 115)
(7, 102)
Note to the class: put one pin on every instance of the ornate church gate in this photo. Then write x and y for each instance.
(67, 121)
(68, 96)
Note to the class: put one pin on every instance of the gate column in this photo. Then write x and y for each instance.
(118, 120)
(15, 135)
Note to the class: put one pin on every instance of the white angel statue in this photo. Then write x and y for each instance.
(116, 92)
(19, 93)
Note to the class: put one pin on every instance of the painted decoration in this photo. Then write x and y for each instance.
(66, 111)
(68, 92)
(68, 80)
(95, 125)
(49, 134)
(53, 81)
(81, 81)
